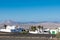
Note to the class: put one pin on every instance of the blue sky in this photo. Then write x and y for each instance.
(30, 10)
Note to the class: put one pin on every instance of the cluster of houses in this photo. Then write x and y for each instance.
(13, 28)
(46, 31)
(37, 31)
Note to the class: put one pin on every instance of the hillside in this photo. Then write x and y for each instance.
(29, 24)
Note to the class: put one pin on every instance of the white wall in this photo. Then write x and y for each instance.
(8, 29)
(34, 32)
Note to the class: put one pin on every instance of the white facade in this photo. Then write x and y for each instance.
(40, 31)
(33, 32)
(58, 29)
(46, 31)
(8, 29)
(5, 30)
(53, 31)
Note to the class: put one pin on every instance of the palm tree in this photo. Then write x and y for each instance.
(40, 27)
(33, 28)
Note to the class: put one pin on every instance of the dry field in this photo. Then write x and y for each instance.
(26, 38)
(18, 36)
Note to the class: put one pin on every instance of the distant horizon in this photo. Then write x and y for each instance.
(30, 10)
(29, 21)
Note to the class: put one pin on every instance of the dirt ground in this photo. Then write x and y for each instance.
(18, 36)
(26, 38)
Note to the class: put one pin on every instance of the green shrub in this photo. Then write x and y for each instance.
(24, 32)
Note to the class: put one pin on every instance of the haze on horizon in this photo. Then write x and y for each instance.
(30, 10)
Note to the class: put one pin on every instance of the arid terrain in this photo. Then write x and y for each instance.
(26, 25)
(18, 36)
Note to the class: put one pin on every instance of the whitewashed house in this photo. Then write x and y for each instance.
(58, 29)
(46, 31)
(11, 29)
(40, 31)
(53, 31)
(34, 32)
(8, 29)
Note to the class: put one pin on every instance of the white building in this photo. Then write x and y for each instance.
(12, 29)
(8, 29)
(33, 32)
(53, 31)
(46, 31)
(58, 29)
(40, 31)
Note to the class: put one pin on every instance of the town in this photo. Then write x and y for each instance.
(32, 30)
